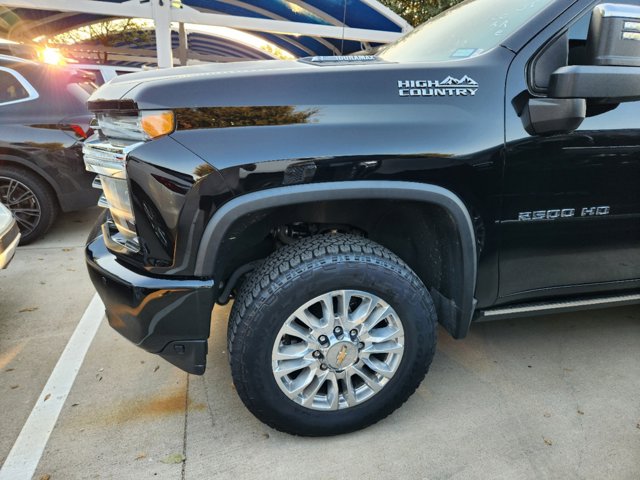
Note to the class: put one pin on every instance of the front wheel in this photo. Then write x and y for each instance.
(330, 335)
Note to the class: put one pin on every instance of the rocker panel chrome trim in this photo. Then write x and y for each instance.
(561, 306)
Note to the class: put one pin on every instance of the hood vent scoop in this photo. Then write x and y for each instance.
(341, 60)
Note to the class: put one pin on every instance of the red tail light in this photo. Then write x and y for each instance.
(78, 130)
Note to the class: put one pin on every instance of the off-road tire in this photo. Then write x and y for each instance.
(298, 273)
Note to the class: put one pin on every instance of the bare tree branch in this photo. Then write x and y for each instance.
(419, 11)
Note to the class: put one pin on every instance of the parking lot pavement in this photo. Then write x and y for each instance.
(42, 296)
(553, 397)
(550, 397)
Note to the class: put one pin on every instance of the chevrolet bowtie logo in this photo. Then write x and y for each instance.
(341, 356)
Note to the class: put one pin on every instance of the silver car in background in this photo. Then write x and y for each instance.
(9, 236)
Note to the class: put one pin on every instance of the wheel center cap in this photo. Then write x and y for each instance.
(342, 355)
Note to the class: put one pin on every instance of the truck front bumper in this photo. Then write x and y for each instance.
(167, 317)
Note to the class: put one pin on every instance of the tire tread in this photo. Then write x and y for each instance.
(293, 260)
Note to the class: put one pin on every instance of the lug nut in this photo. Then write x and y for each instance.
(317, 354)
(323, 340)
(323, 367)
(353, 334)
(338, 331)
(361, 345)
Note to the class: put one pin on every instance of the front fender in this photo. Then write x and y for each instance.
(209, 263)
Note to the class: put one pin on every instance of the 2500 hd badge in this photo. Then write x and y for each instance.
(345, 223)
(563, 213)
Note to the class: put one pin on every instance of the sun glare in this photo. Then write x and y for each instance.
(52, 56)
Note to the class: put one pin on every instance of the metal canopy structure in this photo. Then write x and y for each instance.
(202, 47)
(301, 27)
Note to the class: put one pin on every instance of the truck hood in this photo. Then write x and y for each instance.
(265, 82)
(313, 81)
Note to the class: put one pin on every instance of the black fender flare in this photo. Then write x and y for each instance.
(216, 230)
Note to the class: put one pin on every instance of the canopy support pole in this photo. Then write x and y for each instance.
(162, 22)
(183, 46)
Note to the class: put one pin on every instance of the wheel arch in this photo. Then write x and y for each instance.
(21, 162)
(455, 306)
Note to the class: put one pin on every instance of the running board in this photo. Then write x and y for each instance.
(546, 308)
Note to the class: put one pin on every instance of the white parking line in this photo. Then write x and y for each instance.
(23, 459)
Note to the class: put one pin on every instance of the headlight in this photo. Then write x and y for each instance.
(140, 126)
(106, 155)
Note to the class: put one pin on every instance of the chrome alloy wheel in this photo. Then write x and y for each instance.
(338, 350)
(22, 202)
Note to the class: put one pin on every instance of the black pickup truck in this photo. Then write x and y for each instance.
(487, 165)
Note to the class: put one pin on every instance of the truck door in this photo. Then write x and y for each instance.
(570, 220)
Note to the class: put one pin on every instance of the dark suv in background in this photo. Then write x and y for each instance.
(43, 121)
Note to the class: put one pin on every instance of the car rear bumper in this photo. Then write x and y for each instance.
(8, 244)
(164, 316)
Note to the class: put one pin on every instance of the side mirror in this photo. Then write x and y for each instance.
(605, 84)
(613, 51)
(614, 36)
(612, 75)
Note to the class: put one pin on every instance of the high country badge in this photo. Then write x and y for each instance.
(449, 87)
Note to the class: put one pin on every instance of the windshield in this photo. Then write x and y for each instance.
(466, 30)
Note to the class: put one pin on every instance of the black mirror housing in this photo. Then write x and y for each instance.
(614, 36)
(545, 116)
(605, 84)
(613, 52)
